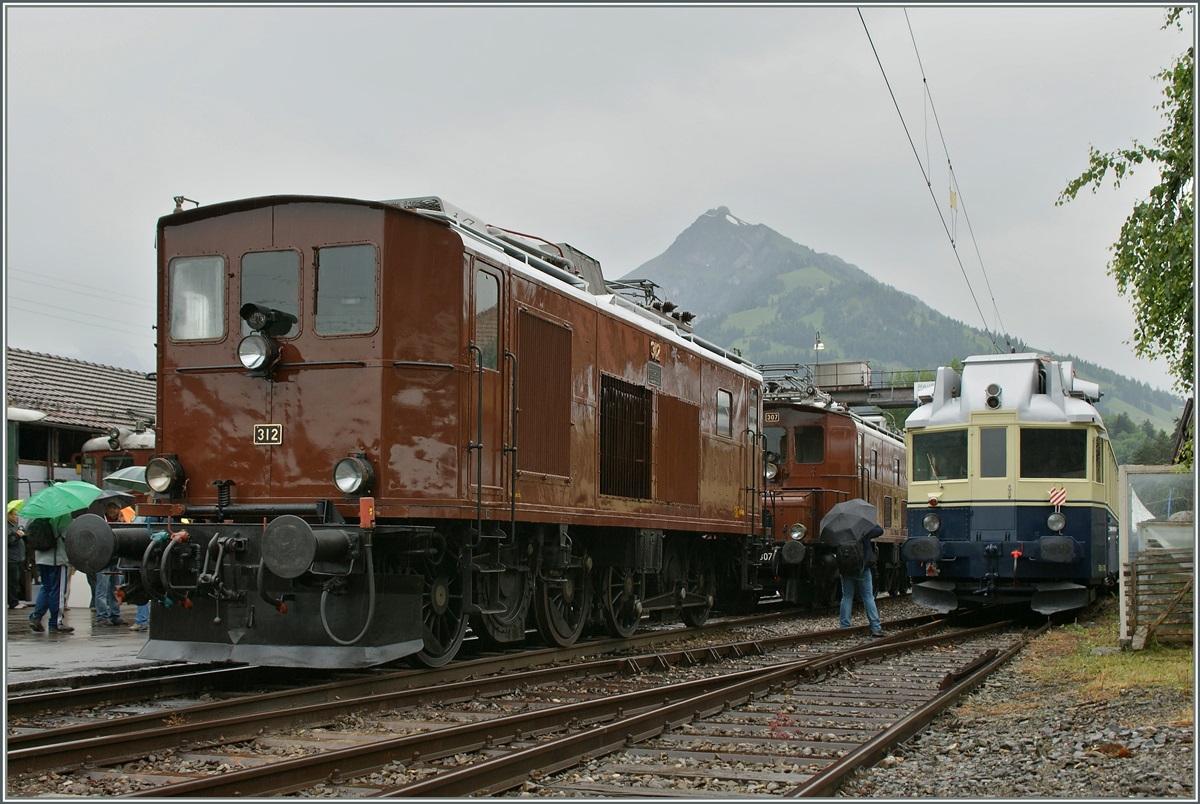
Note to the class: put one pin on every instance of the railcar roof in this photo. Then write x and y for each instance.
(1035, 387)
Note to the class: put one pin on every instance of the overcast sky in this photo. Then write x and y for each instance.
(611, 128)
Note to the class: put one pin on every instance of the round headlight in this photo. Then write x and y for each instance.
(1056, 521)
(931, 522)
(770, 471)
(256, 351)
(353, 475)
(163, 474)
(797, 531)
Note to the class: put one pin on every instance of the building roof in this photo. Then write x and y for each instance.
(77, 394)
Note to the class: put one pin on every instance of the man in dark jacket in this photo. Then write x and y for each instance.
(862, 582)
(16, 557)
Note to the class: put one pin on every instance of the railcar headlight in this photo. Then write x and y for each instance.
(257, 352)
(164, 474)
(1056, 521)
(796, 532)
(932, 522)
(353, 475)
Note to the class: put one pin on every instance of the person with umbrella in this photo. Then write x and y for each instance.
(50, 511)
(849, 528)
(52, 567)
(16, 556)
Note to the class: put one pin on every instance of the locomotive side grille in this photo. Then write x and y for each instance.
(678, 450)
(544, 389)
(625, 432)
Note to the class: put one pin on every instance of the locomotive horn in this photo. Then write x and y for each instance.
(290, 546)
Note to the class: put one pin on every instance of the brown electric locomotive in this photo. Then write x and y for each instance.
(819, 453)
(381, 423)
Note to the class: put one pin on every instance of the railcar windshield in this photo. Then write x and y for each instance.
(939, 456)
(196, 302)
(1053, 452)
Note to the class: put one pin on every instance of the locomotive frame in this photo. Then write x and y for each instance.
(381, 421)
(818, 453)
(1012, 488)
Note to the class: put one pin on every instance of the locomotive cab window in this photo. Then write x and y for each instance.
(196, 305)
(724, 413)
(810, 444)
(487, 319)
(346, 296)
(1053, 452)
(776, 441)
(939, 456)
(272, 279)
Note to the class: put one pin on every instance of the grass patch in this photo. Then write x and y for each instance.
(1087, 653)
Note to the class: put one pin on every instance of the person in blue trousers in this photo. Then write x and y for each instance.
(862, 583)
(53, 570)
(141, 620)
(104, 596)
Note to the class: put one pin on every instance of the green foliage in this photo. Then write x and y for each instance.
(1153, 258)
(1141, 444)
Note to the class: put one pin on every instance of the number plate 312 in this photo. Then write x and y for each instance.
(268, 434)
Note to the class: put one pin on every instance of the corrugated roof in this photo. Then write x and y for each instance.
(74, 393)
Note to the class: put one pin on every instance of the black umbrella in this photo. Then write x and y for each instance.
(121, 498)
(848, 521)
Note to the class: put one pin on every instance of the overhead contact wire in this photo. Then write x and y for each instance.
(928, 183)
(953, 177)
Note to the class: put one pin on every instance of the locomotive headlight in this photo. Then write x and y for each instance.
(353, 475)
(257, 352)
(164, 474)
(931, 523)
(796, 532)
(1056, 521)
(770, 471)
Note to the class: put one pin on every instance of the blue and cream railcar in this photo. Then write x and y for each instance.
(1012, 488)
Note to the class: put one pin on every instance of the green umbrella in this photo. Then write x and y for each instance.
(131, 477)
(60, 499)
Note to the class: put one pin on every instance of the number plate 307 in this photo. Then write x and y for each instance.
(268, 434)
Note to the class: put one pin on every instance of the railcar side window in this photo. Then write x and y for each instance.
(272, 278)
(346, 295)
(810, 444)
(724, 413)
(487, 318)
(1053, 452)
(993, 452)
(754, 411)
(940, 456)
(196, 308)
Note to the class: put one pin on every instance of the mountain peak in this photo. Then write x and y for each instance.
(723, 212)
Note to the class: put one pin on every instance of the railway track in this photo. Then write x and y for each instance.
(422, 726)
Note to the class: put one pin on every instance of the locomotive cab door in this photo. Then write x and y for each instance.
(487, 423)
